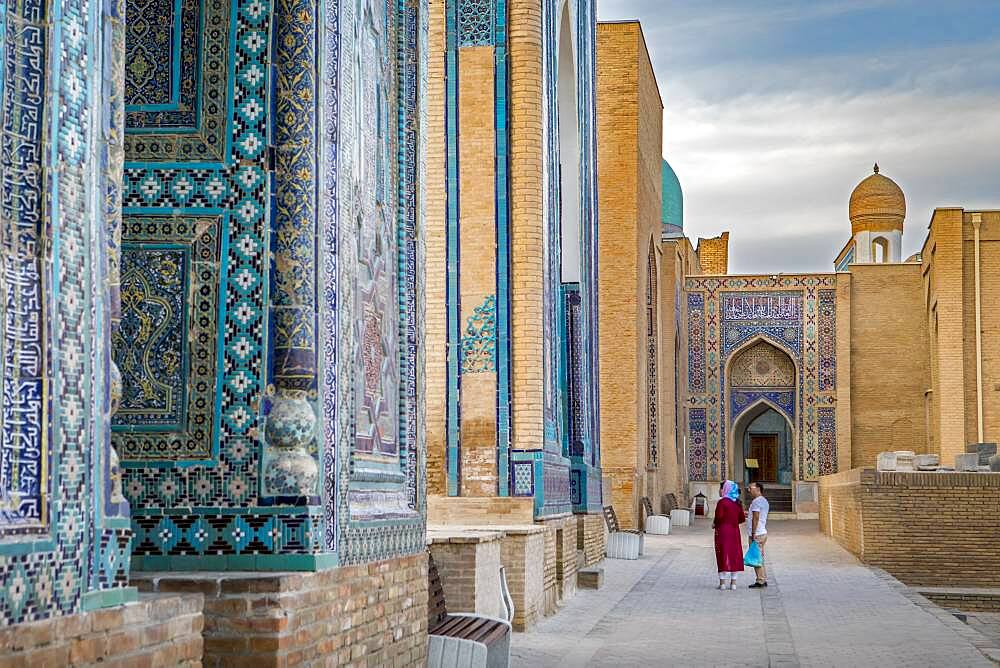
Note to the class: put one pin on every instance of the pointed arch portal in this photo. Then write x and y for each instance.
(762, 390)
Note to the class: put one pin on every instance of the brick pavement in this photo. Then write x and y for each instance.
(823, 608)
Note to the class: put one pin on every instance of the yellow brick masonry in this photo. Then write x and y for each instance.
(629, 121)
(526, 206)
(714, 254)
(943, 262)
(435, 315)
(477, 231)
(933, 529)
(989, 259)
(888, 361)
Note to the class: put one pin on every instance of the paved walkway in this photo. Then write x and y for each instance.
(823, 608)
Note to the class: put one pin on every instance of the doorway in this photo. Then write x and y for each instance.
(763, 451)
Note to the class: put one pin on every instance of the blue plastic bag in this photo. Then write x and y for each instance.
(753, 557)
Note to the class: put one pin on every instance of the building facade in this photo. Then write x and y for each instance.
(512, 258)
(794, 377)
(213, 315)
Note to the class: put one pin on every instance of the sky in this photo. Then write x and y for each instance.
(775, 110)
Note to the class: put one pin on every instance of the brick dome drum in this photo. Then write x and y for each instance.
(877, 204)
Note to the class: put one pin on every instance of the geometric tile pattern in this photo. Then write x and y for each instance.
(479, 343)
(170, 283)
(576, 375)
(826, 419)
(696, 342)
(792, 365)
(827, 338)
(55, 220)
(228, 533)
(176, 80)
(371, 193)
(697, 452)
(218, 211)
(475, 22)
(652, 350)
(206, 188)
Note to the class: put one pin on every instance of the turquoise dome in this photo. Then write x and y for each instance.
(672, 215)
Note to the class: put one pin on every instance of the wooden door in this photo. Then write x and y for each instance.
(764, 448)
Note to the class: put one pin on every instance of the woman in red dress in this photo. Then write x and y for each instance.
(729, 517)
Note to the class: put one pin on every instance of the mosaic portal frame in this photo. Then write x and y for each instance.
(796, 314)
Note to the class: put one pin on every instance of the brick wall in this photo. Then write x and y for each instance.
(527, 243)
(157, 631)
(630, 130)
(989, 277)
(935, 529)
(887, 400)
(713, 254)
(471, 511)
(942, 260)
(549, 585)
(372, 614)
(626, 490)
(477, 280)
(469, 566)
(566, 562)
(590, 538)
(435, 315)
(523, 556)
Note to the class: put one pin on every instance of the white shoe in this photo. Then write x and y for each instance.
(732, 586)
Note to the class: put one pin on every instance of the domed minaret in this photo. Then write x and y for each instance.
(877, 210)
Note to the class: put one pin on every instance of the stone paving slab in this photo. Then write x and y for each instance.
(823, 608)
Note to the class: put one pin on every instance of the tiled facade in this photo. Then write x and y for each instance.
(212, 323)
(509, 411)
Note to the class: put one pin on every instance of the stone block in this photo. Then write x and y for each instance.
(983, 450)
(591, 577)
(968, 461)
(680, 517)
(926, 462)
(886, 461)
(904, 460)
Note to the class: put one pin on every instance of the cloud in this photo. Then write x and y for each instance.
(768, 135)
(777, 170)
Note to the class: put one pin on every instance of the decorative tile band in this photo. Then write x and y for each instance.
(826, 327)
(479, 343)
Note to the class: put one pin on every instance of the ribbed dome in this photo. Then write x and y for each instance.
(877, 204)
(672, 213)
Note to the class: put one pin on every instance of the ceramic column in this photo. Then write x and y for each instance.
(114, 173)
(290, 468)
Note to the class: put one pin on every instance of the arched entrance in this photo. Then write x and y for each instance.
(762, 399)
(763, 436)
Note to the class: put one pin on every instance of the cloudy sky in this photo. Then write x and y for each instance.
(775, 109)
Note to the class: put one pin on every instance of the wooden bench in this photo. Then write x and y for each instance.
(658, 525)
(465, 639)
(621, 544)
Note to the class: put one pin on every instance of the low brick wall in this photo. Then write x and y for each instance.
(522, 552)
(566, 561)
(936, 529)
(591, 538)
(161, 630)
(371, 614)
(468, 562)
(967, 600)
